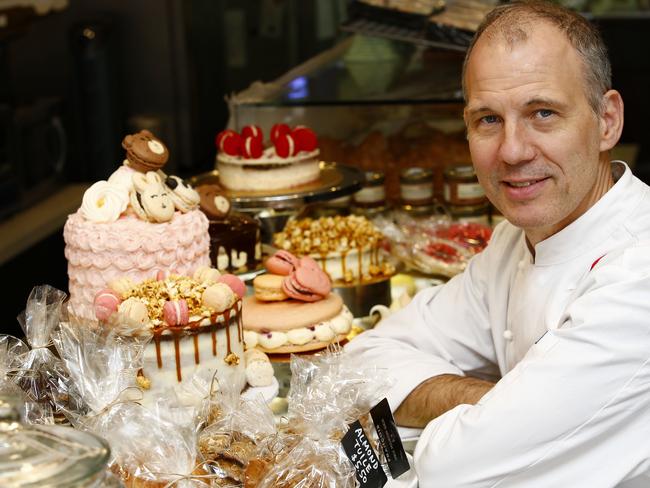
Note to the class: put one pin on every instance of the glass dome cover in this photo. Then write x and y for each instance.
(47, 456)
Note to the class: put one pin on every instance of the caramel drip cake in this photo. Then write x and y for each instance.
(195, 326)
(347, 248)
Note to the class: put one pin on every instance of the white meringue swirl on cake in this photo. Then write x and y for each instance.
(104, 202)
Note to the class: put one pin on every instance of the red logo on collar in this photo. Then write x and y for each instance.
(593, 265)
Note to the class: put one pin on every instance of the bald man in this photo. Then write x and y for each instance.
(531, 369)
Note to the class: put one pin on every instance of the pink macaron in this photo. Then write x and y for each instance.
(106, 303)
(176, 312)
(308, 282)
(235, 284)
(281, 263)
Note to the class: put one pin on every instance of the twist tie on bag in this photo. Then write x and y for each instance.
(49, 344)
(119, 401)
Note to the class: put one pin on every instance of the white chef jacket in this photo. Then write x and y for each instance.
(570, 338)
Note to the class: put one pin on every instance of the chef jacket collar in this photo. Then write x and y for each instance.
(596, 224)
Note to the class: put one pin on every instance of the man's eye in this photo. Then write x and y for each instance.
(489, 119)
(544, 113)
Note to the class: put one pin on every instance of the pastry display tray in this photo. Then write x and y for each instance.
(336, 180)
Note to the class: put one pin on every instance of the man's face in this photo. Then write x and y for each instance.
(534, 139)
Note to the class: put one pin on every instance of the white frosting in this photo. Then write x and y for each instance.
(300, 336)
(334, 264)
(258, 251)
(244, 176)
(269, 156)
(340, 324)
(156, 147)
(236, 260)
(250, 338)
(259, 373)
(104, 202)
(122, 176)
(251, 355)
(196, 377)
(272, 340)
(324, 333)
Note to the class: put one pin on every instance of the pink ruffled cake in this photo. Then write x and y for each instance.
(136, 224)
(99, 253)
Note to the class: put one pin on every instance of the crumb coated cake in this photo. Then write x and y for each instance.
(235, 238)
(349, 249)
(195, 326)
(136, 223)
(247, 163)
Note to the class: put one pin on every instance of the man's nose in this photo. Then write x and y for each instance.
(516, 146)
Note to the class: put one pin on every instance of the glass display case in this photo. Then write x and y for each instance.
(375, 103)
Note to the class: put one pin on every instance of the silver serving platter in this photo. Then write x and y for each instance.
(336, 180)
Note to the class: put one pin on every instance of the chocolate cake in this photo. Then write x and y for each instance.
(235, 239)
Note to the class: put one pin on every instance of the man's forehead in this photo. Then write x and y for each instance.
(542, 48)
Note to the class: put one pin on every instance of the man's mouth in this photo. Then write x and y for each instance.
(523, 184)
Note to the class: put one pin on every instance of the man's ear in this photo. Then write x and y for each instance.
(611, 120)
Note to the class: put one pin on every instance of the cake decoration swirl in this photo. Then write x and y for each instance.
(104, 202)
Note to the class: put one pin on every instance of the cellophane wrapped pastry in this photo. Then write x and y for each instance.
(149, 447)
(11, 348)
(435, 245)
(38, 372)
(243, 446)
(328, 392)
(236, 432)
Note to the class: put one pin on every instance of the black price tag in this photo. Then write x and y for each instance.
(389, 438)
(366, 464)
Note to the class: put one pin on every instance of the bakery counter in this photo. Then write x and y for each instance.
(28, 227)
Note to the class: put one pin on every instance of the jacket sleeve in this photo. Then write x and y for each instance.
(574, 412)
(444, 329)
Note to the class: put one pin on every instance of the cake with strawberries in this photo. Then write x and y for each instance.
(349, 249)
(195, 327)
(293, 308)
(246, 162)
(138, 222)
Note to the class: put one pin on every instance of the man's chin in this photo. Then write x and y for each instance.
(527, 220)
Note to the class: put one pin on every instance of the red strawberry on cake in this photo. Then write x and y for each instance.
(246, 162)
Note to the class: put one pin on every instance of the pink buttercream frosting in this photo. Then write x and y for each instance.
(99, 253)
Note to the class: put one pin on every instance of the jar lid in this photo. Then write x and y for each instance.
(374, 178)
(46, 456)
(415, 175)
(460, 171)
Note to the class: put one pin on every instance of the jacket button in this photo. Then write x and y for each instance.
(507, 335)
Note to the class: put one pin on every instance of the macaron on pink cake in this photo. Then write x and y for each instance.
(294, 309)
(134, 224)
(195, 326)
